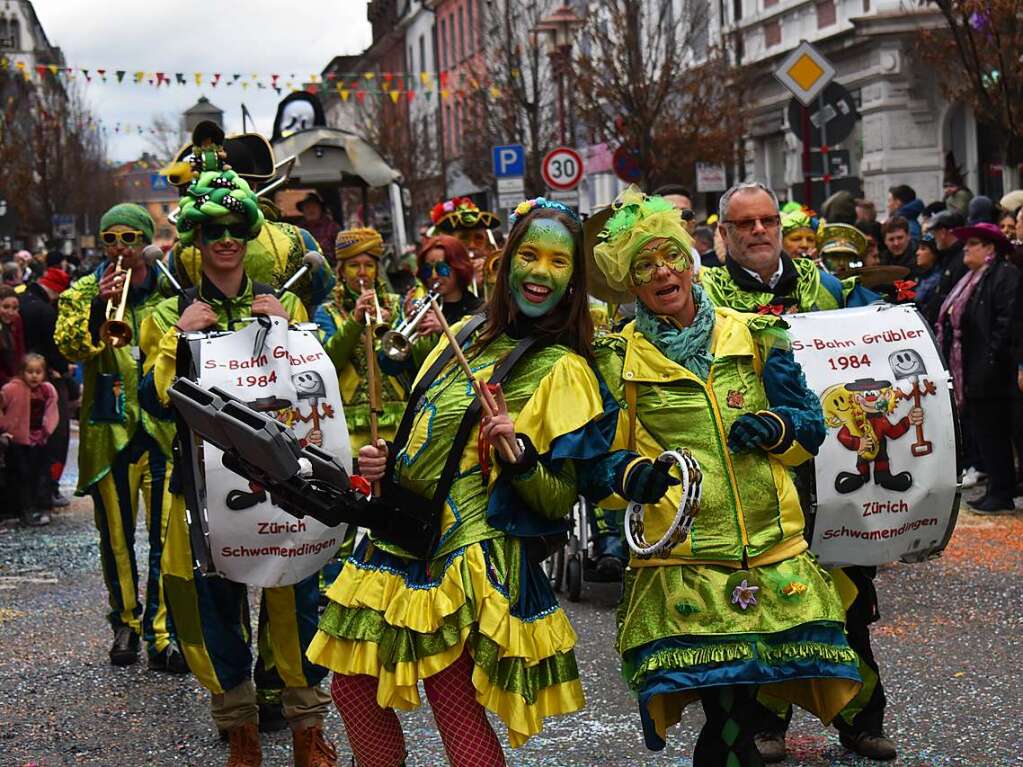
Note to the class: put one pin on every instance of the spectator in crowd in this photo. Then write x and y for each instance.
(1007, 223)
(898, 242)
(14, 276)
(928, 273)
(950, 250)
(930, 212)
(319, 223)
(872, 231)
(28, 413)
(12, 337)
(840, 208)
(1012, 200)
(865, 211)
(681, 198)
(957, 197)
(902, 202)
(703, 243)
(982, 210)
(38, 307)
(974, 331)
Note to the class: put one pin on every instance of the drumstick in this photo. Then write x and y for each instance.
(371, 384)
(507, 450)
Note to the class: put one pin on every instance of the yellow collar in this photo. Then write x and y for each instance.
(645, 363)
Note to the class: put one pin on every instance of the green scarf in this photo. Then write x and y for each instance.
(688, 346)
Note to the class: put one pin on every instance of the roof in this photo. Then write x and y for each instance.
(204, 107)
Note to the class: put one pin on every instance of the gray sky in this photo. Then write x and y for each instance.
(250, 36)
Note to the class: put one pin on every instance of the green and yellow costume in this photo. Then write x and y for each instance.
(211, 613)
(342, 338)
(123, 448)
(401, 619)
(740, 602)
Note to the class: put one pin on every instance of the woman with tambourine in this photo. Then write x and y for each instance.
(475, 618)
(721, 595)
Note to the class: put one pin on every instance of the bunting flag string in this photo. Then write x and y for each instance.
(384, 86)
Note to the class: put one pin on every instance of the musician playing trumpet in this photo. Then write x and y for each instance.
(120, 453)
(360, 295)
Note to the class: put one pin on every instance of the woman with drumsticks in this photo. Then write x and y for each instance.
(725, 597)
(476, 620)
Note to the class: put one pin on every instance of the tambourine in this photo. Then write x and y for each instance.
(688, 508)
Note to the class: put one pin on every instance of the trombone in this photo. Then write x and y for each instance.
(114, 330)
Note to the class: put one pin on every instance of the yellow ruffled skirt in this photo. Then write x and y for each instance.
(403, 620)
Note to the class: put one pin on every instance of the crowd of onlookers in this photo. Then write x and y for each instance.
(959, 258)
(38, 390)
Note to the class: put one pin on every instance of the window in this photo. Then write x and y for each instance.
(866, 6)
(772, 33)
(451, 28)
(9, 36)
(461, 36)
(422, 53)
(736, 10)
(443, 45)
(826, 14)
(769, 3)
(469, 24)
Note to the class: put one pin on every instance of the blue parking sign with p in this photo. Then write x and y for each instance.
(509, 160)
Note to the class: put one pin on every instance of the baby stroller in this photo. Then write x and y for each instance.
(593, 553)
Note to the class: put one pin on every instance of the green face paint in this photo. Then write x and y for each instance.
(541, 269)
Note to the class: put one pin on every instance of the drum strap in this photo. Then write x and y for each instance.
(630, 405)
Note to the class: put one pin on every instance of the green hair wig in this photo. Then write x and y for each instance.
(215, 194)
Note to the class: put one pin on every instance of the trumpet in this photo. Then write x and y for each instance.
(397, 344)
(379, 326)
(114, 330)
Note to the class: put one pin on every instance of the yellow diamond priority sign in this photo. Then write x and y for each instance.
(805, 72)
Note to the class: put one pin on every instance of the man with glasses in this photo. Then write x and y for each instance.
(119, 452)
(220, 215)
(758, 276)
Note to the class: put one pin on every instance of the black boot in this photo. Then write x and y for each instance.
(898, 482)
(847, 482)
(125, 649)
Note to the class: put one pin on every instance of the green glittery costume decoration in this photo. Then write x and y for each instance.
(217, 193)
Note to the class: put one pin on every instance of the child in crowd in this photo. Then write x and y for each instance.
(29, 404)
(12, 339)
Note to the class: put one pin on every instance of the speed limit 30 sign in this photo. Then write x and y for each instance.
(562, 169)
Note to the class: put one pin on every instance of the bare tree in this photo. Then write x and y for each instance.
(648, 78)
(165, 136)
(977, 55)
(53, 155)
(514, 102)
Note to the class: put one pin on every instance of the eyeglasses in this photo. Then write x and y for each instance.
(214, 232)
(746, 225)
(130, 237)
(441, 269)
(645, 266)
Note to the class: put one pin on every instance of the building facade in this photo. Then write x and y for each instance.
(906, 126)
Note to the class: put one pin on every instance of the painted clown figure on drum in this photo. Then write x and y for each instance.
(729, 600)
(860, 410)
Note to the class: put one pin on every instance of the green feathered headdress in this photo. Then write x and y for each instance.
(217, 193)
(637, 219)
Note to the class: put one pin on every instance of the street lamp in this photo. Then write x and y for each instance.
(560, 28)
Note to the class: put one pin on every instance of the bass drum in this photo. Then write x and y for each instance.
(885, 485)
(235, 529)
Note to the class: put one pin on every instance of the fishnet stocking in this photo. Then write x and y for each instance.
(374, 733)
(468, 737)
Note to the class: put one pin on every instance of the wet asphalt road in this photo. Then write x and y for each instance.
(949, 645)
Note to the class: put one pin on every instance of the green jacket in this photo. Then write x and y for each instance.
(343, 341)
(803, 287)
(160, 338)
(110, 412)
(750, 512)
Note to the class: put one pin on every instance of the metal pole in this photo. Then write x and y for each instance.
(807, 179)
(825, 165)
(561, 95)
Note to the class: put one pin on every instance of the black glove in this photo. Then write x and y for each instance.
(528, 460)
(753, 430)
(648, 481)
